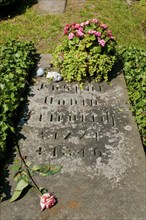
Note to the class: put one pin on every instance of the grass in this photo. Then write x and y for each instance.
(46, 31)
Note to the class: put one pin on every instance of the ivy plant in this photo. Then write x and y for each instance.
(17, 61)
(134, 67)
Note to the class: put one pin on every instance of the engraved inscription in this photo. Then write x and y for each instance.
(72, 121)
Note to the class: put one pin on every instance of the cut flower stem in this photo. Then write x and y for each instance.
(35, 186)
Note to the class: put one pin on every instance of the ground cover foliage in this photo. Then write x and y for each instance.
(17, 61)
(134, 68)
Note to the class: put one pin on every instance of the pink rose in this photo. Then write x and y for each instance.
(79, 33)
(70, 36)
(101, 42)
(47, 200)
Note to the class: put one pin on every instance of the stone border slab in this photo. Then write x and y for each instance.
(51, 6)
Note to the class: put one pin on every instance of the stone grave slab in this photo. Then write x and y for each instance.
(92, 133)
(51, 6)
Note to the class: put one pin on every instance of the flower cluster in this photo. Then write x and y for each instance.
(87, 50)
(87, 28)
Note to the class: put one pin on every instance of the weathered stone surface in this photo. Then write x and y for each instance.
(45, 60)
(51, 6)
(92, 133)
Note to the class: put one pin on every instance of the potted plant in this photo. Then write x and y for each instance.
(87, 50)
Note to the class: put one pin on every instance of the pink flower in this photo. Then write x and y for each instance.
(77, 26)
(47, 201)
(101, 42)
(66, 29)
(103, 26)
(81, 29)
(87, 22)
(95, 20)
(73, 26)
(83, 24)
(79, 33)
(91, 32)
(70, 36)
(109, 34)
(97, 34)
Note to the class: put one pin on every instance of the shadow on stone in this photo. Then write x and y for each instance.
(116, 70)
(5, 188)
(24, 192)
(17, 8)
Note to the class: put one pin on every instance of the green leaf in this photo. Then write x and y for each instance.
(18, 176)
(47, 169)
(76, 40)
(21, 185)
(36, 168)
(43, 190)
(53, 170)
(16, 161)
(92, 37)
(88, 44)
(21, 175)
(28, 163)
(15, 196)
(96, 49)
(43, 174)
(82, 47)
(16, 167)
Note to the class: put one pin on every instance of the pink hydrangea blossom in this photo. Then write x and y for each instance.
(95, 20)
(101, 42)
(77, 26)
(103, 26)
(109, 34)
(81, 29)
(66, 29)
(47, 200)
(79, 33)
(91, 32)
(73, 26)
(87, 22)
(97, 34)
(70, 36)
(83, 24)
